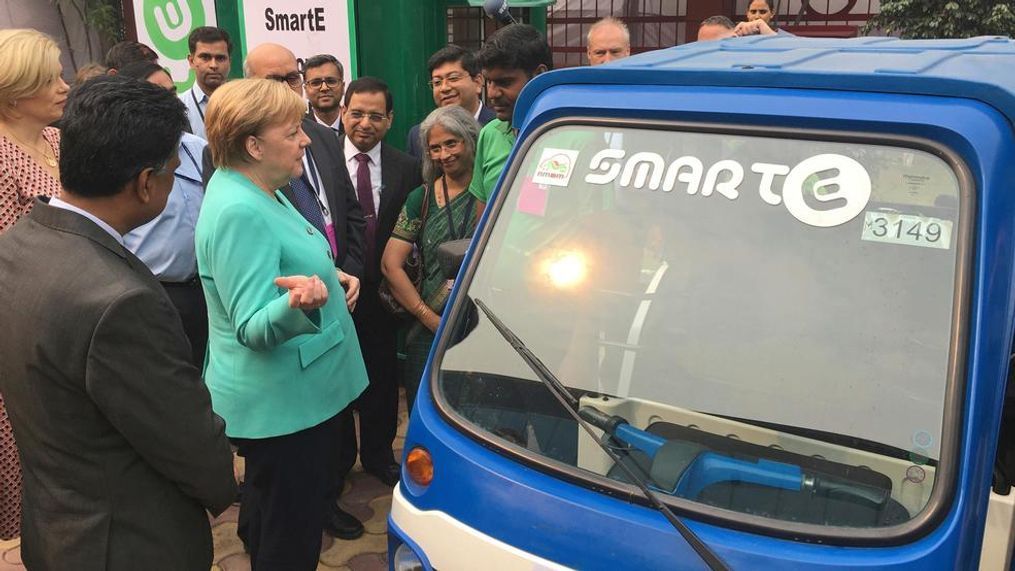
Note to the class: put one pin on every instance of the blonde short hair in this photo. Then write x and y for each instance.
(246, 107)
(29, 61)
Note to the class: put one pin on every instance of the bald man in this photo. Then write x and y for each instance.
(608, 40)
(326, 197)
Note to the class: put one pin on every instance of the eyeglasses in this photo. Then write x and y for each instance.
(319, 82)
(294, 79)
(374, 117)
(451, 145)
(451, 78)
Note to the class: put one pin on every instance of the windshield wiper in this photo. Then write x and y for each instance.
(570, 403)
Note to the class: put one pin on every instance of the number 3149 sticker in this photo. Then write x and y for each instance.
(907, 229)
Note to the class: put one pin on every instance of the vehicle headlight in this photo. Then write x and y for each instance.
(406, 559)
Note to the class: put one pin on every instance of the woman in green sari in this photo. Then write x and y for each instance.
(439, 211)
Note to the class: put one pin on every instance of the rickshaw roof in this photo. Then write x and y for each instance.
(981, 68)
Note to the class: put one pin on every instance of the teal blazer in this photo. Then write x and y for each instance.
(271, 370)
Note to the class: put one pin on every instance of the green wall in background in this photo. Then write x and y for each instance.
(227, 13)
(394, 40)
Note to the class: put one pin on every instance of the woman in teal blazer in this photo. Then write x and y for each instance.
(283, 358)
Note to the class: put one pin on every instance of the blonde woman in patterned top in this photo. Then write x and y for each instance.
(32, 95)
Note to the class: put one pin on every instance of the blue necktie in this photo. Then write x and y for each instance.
(306, 203)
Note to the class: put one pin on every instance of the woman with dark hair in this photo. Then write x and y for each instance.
(761, 10)
(439, 211)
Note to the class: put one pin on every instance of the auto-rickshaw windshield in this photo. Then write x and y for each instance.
(792, 294)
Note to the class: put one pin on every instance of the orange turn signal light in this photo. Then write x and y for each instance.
(419, 466)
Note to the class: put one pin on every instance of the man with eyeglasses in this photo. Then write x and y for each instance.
(384, 176)
(209, 58)
(456, 79)
(322, 80)
(324, 195)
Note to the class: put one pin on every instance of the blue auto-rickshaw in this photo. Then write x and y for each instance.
(745, 304)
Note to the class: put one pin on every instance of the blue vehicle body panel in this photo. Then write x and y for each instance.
(958, 94)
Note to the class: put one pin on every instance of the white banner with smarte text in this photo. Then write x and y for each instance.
(307, 27)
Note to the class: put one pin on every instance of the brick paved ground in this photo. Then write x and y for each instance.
(364, 496)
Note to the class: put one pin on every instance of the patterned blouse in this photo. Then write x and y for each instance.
(22, 179)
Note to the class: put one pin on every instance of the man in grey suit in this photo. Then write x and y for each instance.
(122, 454)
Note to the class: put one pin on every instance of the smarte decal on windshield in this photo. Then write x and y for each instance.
(849, 182)
(733, 296)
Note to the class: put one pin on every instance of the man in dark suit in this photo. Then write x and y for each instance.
(121, 451)
(456, 78)
(325, 196)
(383, 177)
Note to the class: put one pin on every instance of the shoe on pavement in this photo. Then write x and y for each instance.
(388, 475)
(342, 524)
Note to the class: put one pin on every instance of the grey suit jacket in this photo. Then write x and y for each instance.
(120, 449)
(346, 214)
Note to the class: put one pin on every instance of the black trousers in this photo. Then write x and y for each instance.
(287, 480)
(188, 298)
(378, 405)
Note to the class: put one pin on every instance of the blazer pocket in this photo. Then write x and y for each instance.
(320, 343)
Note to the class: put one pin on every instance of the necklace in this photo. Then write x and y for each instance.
(49, 158)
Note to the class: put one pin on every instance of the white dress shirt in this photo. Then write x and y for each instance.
(57, 203)
(375, 169)
(196, 102)
(336, 126)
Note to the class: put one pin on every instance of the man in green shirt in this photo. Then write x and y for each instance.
(510, 59)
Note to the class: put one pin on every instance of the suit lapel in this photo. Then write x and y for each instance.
(390, 179)
(323, 161)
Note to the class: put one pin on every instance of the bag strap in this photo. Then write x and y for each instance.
(423, 215)
(451, 219)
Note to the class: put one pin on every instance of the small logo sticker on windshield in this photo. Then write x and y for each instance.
(555, 167)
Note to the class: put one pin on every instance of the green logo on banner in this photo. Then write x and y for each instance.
(169, 22)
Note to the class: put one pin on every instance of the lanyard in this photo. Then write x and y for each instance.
(197, 103)
(197, 165)
(315, 182)
(193, 160)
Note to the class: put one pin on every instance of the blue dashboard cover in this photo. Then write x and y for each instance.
(981, 68)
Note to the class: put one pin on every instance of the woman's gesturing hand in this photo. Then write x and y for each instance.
(304, 292)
